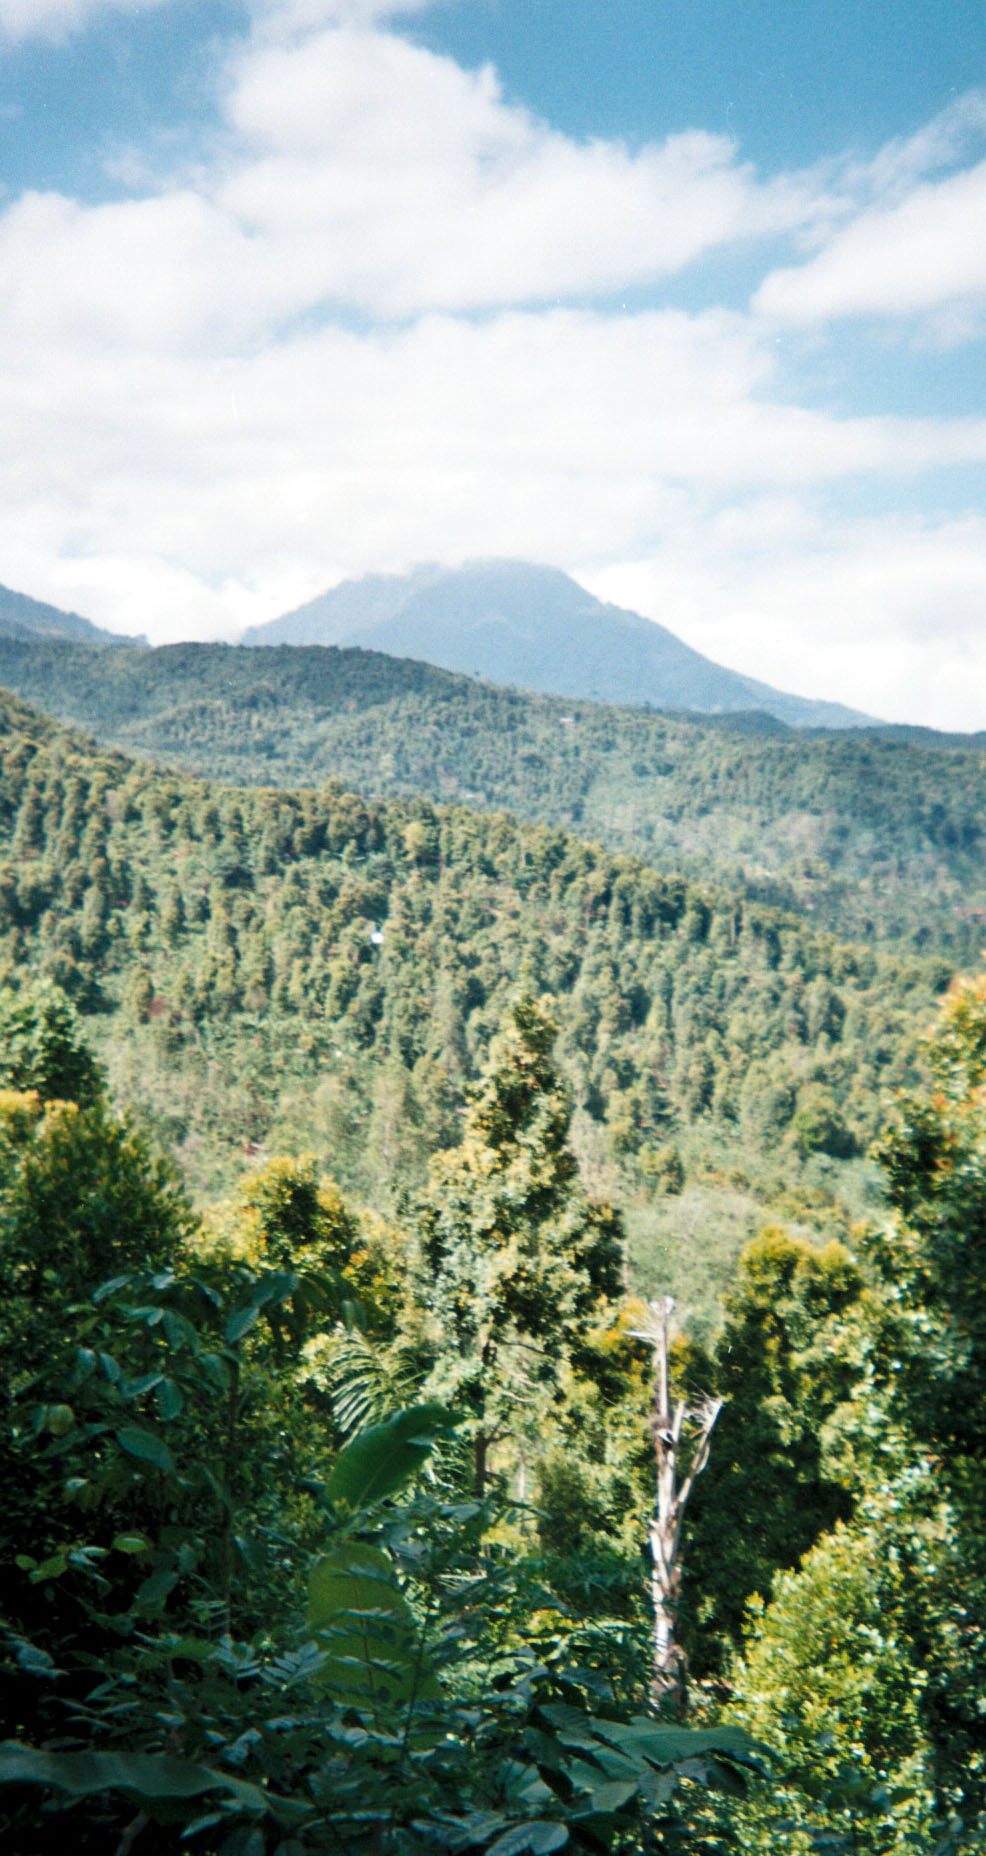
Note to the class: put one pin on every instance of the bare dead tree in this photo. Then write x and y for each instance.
(681, 1433)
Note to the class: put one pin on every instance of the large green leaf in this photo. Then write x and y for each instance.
(603, 1800)
(362, 1622)
(169, 1400)
(146, 1447)
(276, 1286)
(150, 1775)
(669, 1746)
(382, 1459)
(535, 1839)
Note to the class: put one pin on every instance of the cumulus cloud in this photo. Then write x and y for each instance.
(886, 615)
(391, 178)
(354, 334)
(925, 251)
(145, 273)
(898, 234)
(197, 492)
(360, 172)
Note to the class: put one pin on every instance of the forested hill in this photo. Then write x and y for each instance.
(314, 971)
(872, 834)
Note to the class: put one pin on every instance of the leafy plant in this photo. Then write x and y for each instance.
(393, 1728)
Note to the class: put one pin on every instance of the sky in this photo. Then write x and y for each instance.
(686, 299)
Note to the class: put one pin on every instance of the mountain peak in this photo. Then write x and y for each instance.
(533, 626)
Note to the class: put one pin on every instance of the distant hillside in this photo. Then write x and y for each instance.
(21, 617)
(535, 628)
(871, 833)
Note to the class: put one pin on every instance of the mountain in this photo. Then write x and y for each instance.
(873, 833)
(21, 617)
(536, 628)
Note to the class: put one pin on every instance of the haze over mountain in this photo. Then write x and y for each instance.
(515, 623)
(23, 617)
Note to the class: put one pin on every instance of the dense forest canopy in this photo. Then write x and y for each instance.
(266, 968)
(436, 1427)
(342, 1143)
(873, 834)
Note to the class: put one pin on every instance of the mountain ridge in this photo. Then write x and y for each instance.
(535, 628)
(24, 617)
(873, 833)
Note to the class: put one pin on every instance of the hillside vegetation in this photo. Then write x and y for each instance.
(329, 1459)
(313, 970)
(874, 835)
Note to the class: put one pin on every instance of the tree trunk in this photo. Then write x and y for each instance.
(479, 1463)
(668, 1686)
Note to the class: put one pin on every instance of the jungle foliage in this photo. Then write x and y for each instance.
(322, 1533)
(238, 1615)
(864, 1673)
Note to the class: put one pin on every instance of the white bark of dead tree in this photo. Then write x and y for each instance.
(668, 1427)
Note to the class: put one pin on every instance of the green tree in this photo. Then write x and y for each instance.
(284, 1215)
(866, 1671)
(817, 1125)
(788, 1358)
(42, 1047)
(82, 1199)
(931, 1253)
(515, 1259)
(834, 1684)
(387, 1716)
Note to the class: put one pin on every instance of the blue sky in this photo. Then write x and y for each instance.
(688, 300)
(791, 83)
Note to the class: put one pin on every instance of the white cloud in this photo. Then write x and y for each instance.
(884, 615)
(58, 19)
(187, 494)
(360, 172)
(951, 137)
(148, 273)
(925, 251)
(392, 179)
(354, 336)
